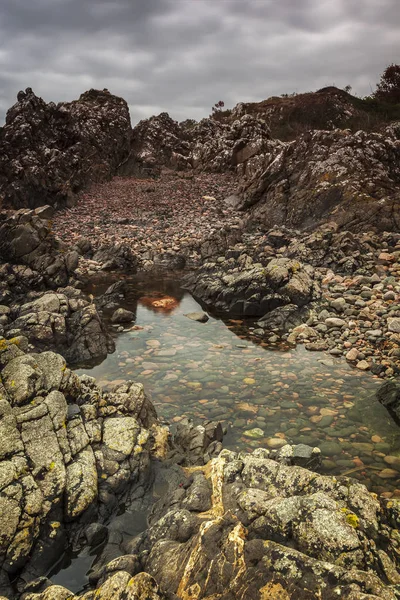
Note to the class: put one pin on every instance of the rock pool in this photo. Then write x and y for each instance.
(265, 395)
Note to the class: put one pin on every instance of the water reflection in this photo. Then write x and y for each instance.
(159, 303)
(266, 395)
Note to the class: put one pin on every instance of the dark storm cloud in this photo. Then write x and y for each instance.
(183, 55)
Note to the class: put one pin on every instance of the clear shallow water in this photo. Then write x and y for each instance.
(218, 370)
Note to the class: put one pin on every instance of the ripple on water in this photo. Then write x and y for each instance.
(219, 370)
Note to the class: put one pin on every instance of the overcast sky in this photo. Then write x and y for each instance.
(181, 56)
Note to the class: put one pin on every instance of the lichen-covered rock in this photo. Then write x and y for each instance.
(48, 151)
(65, 448)
(64, 320)
(271, 531)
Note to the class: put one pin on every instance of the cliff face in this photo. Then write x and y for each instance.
(49, 152)
(352, 179)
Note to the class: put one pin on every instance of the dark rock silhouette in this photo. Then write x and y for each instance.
(49, 151)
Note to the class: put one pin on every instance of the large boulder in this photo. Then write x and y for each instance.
(30, 253)
(242, 287)
(63, 320)
(49, 151)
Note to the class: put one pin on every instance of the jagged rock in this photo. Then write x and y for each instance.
(339, 176)
(31, 252)
(48, 151)
(217, 146)
(157, 142)
(268, 529)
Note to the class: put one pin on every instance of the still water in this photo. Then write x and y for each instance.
(264, 394)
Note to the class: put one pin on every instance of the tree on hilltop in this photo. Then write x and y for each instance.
(388, 88)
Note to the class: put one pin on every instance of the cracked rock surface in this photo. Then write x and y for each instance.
(65, 448)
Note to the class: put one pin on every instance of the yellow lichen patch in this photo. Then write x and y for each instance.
(351, 518)
(54, 526)
(193, 592)
(295, 267)
(141, 441)
(161, 441)
(52, 465)
(273, 591)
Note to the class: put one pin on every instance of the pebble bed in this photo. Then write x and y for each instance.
(266, 394)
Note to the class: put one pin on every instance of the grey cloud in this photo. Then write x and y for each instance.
(181, 56)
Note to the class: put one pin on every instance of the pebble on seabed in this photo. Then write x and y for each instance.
(267, 397)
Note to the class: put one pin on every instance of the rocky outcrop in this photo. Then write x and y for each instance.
(30, 255)
(66, 449)
(324, 174)
(290, 115)
(240, 146)
(237, 285)
(245, 526)
(209, 145)
(157, 142)
(351, 179)
(63, 319)
(49, 151)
